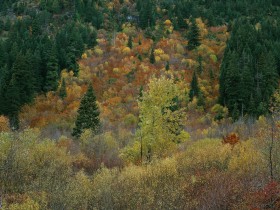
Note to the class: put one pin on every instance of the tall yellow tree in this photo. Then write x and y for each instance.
(160, 127)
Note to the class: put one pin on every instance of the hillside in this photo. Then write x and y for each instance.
(139, 104)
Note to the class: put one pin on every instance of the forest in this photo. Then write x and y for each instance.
(139, 104)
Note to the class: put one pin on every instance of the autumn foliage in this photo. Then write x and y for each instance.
(231, 138)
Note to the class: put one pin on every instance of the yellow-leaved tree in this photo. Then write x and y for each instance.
(160, 124)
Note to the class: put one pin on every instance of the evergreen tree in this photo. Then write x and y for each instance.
(194, 91)
(23, 78)
(270, 77)
(167, 67)
(146, 10)
(51, 82)
(152, 56)
(200, 67)
(71, 62)
(88, 114)
(201, 99)
(130, 43)
(193, 36)
(5, 78)
(232, 79)
(12, 102)
(235, 112)
(62, 90)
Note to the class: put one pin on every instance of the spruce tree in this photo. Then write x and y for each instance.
(201, 99)
(194, 91)
(24, 79)
(12, 99)
(200, 66)
(51, 81)
(152, 56)
(129, 43)
(71, 62)
(167, 66)
(235, 112)
(88, 114)
(62, 90)
(270, 77)
(193, 36)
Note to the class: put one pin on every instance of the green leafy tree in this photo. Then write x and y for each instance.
(160, 120)
(88, 114)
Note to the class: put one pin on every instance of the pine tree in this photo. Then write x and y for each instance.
(12, 99)
(71, 62)
(194, 91)
(201, 99)
(232, 80)
(235, 112)
(23, 78)
(51, 81)
(152, 56)
(146, 11)
(167, 66)
(129, 43)
(140, 93)
(200, 66)
(270, 77)
(62, 90)
(193, 36)
(88, 114)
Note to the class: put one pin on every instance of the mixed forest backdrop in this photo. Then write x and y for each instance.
(139, 104)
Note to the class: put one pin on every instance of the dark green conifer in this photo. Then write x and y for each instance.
(235, 112)
(24, 77)
(200, 99)
(193, 36)
(194, 91)
(129, 43)
(12, 99)
(167, 67)
(200, 67)
(152, 56)
(62, 90)
(51, 81)
(88, 114)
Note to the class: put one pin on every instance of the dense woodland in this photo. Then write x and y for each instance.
(139, 104)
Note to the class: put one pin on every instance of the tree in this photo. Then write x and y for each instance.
(152, 56)
(13, 104)
(62, 90)
(194, 91)
(51, 82)
(193, 36)
(130, 43)
(146, 9)
(88, 114)
(16, 89)
(167, 66)
(200, 66)
(160, 123)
